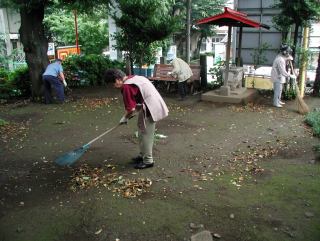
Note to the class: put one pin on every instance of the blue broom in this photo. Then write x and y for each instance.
(71, 157)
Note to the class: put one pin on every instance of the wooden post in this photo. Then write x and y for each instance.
(228, 57)
(188, 24)
(76, 29)
(239, 48)
(304, 60)
(203, 71)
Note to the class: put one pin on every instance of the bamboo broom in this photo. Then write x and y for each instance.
(302, 106)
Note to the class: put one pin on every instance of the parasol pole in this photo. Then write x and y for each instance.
(76, 28)
(227, 57)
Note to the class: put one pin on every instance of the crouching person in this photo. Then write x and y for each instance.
(139, 95)
(54, 77)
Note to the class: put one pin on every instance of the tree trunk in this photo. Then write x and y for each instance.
(295, 41)
(35, 46)
(316, 85)
(196, 53)
(180, 41)
(194, 50)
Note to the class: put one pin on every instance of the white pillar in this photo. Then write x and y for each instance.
(114, 53)
(4, 30)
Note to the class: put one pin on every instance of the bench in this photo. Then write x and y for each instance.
(160, 75)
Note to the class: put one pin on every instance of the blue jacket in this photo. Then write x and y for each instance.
(53, 69)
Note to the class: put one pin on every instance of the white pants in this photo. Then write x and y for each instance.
(277, 91)
(146, 139)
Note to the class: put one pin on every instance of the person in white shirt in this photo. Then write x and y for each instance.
(279, 74)
(181, 71)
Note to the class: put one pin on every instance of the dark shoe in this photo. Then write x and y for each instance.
(137, 159)
(142, 165)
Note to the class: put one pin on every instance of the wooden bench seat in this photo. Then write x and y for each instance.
(160, 74)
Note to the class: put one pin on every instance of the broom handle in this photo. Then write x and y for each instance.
(292, 68)
(104, 133)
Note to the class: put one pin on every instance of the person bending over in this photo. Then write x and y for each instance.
(139, 95)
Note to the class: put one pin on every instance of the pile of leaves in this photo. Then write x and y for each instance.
(93, 103)
(177, 108)
(246, 164)
(86, 177)
(250, 107)
(313, 119)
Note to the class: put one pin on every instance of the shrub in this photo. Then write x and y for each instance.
(88, 69)
(21, 80)
(313, 119)
(289, 94)
(216, 72)
(316, 148)
(15, 83)
(3, 74)
(3, 122)
(289, 91)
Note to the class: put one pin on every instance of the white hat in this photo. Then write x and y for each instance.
(170, 56)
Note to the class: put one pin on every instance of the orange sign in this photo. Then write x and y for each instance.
(63, 52)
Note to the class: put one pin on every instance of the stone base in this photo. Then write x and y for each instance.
(223, 90)
(237, 96)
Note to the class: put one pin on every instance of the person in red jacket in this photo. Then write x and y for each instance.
(140, 95)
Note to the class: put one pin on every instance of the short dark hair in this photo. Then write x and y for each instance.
(58, 60)
(112, 74)
(285, 48)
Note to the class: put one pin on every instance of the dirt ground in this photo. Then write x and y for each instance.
(243, 172)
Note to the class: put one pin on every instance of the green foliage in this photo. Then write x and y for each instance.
(313, 119)
(15, 83)
(298, 11)
(289, 91)
(216, 73)
(90, 68)
(92, 29)
(289, 94)
(4, 73)
(81, 5)
(3, 59)
(3, 122)
(20, 79)
(316, 148)
(199, 9)
(282, 23)
(259, 55)
(142, 24)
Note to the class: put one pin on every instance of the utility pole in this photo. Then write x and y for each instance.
(188, 31)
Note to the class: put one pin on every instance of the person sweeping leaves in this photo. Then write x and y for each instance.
(279, 74)
(140, 95)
